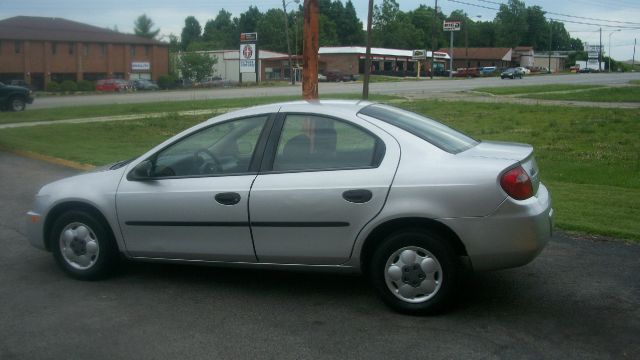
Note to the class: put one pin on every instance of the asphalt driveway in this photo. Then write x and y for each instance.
(579, 299)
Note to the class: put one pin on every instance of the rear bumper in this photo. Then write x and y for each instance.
(511, 236)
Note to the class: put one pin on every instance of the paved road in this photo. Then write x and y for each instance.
(579, 300)
(405, 88)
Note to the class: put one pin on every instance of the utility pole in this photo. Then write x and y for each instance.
(367, 57)
(633, 59)
(600, 53)
(310, 51)
(433, 40)
(550, 44)
(286, 31)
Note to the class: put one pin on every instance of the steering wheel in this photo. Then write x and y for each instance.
(208, 166)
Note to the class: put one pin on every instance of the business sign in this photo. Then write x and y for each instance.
(247, 58)
(592, 48)
(249, 37)
(140, 66)
(452, 25)
(419, 54)
(592, 55)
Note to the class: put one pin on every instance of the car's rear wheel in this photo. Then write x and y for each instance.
(83, 246)
(17, 104)
(415, 271)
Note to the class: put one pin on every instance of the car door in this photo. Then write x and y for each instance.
(323, 179)
(191, 201)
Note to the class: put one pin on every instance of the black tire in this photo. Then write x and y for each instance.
(17, 103)
(435, 247)
(105, 260)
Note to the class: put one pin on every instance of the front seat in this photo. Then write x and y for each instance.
(295, 154)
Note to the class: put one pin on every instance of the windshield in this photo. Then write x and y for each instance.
(427, 129)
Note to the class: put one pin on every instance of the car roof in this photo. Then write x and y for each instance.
(314, 106)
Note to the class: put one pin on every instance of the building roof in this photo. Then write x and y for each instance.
(361, 50)
(523, 48)
(58, 29)
(481, 53)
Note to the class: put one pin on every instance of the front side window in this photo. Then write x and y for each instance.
(310, 142)
(225, 148)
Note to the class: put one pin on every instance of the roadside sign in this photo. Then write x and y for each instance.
(247, 58)
(419, 55)
(451, 25)
(592, 55)
(249, 37)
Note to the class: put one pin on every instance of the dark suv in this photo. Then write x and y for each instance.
(14, 98)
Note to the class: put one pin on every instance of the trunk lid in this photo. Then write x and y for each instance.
(521, 153)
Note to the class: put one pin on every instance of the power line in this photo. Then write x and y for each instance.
(554, 19)
(566, 15)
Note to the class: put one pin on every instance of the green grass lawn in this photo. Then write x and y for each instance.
(610, 94)
(589, 158)
(532, 89)
(77, 112)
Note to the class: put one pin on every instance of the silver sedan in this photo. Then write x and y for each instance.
(331, 185)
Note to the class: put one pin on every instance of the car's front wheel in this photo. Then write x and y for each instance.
(83, 246)
(17, 104)
(415, 271)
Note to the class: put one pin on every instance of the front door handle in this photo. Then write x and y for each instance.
(228, 198)
(358, 196)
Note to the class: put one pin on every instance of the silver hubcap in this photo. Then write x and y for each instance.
(413, 274)
(79, 246)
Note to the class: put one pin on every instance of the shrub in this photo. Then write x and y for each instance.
(69, 86)
(167, 82)
(85, 85)
(53, 86)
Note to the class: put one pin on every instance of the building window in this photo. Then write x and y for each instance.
(54, 48)
(71, 47)
(147, 49)
(17, 46)
(132, 50)
(86, 49)
(103, 49)
(0, 46)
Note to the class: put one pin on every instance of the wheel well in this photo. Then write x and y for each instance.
(72, 205)
(385, 229)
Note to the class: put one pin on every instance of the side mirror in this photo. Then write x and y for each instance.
(142, 171)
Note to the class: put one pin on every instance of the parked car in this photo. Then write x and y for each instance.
(585, 70)
(143, 84)
(14, 98)
(322, 78)
(113, 85)
(320, 185)
(214, 81)
(467, 72)
(523, 70)
(512, 73)
(488, 70)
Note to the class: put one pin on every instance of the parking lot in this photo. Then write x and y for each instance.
(578, 300)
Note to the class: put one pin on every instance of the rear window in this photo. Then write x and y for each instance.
(438, 134)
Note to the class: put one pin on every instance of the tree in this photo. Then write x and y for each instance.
(196, 66)
(271, 31)
(222, 32)
(190, 32)
(142, 27)
(249, 20)
(350, 30)
(511, 24)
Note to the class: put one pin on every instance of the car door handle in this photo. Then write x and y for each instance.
(358, 196)
(228, 198)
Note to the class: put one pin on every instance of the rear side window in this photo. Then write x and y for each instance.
(438, 134)
(310, 142)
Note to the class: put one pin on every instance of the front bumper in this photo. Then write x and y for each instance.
(35, 229)
(30, 99)
(511, 236)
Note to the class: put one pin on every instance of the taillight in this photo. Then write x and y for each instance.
(517, 184)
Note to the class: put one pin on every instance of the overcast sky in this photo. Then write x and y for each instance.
(169, 14)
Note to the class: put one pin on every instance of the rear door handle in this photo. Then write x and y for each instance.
(228, 198)
(358, 196)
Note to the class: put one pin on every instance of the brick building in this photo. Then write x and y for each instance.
(41, 49)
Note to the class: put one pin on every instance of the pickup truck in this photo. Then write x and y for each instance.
(14, 98)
